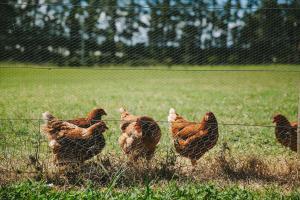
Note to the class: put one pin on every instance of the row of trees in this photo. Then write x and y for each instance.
(94, 32)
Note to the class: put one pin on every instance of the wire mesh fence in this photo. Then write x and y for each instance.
(242, 153)
(147, 57)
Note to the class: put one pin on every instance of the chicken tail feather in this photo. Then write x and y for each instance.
(121, 110)
(210, 120)
(47, 116)
(147, 125)
(172, 115)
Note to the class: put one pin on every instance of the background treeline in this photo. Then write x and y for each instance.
(98, 32)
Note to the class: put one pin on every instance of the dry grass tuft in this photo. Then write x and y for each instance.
(117, 171)
(255, 169)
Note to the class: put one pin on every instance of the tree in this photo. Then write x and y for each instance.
(193, 16)
(7, 24)
(163, 28)
(92, 31)
(74, 27)
(238, 21)
(110, 46)
(292, 28)
(264, 32)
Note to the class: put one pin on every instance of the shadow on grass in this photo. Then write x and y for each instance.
(110, 171)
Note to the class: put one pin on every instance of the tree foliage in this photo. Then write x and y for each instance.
(134, 32)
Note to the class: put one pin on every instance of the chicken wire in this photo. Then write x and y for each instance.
(111, 38)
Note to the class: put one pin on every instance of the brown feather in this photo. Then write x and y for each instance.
(71, 143)
(140, 136)
(92, 117)
(286, 132)
(193, 140)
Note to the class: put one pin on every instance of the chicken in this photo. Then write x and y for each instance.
(140, 135)
(93, 117)
(192, 140)
(286, 132)
(71, 143)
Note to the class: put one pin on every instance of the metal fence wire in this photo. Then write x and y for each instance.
(116, 91)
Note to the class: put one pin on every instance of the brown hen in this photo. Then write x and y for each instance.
(140, 135)
(93, 117)
(192, 140)
(70, 143)
(286, 132)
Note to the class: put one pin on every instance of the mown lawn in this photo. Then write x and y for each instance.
(236, 98)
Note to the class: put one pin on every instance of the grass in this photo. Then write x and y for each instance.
(236, 97)
(172, 190)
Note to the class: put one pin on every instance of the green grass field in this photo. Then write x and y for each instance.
(170, 191)
(236, 97)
